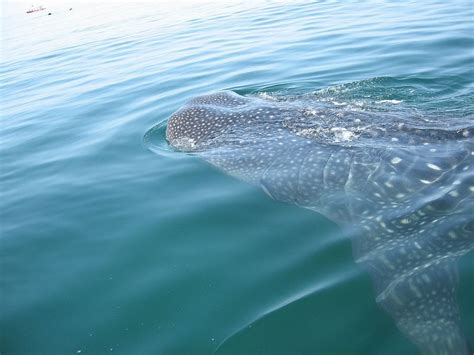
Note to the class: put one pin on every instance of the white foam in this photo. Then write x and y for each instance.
(394, 102)
(266, 96)
(343, 134)
(184, 143)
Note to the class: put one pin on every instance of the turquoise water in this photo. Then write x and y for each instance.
(109, 248)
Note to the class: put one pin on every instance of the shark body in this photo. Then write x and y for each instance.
(403, 185)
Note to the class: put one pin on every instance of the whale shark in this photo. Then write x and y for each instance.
(400, 180)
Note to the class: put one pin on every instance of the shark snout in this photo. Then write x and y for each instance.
(194, 127)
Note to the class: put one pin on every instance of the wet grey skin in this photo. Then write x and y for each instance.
(403, 186)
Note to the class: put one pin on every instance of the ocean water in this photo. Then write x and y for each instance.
(107, 247)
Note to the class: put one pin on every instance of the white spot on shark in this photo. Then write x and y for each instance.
(433, 166)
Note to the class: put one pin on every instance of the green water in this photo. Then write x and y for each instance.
(109, 248)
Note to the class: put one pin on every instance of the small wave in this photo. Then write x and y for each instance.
(155, 141)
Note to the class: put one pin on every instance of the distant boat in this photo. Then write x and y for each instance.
(35, 9)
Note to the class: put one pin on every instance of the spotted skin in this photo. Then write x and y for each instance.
(406, 189)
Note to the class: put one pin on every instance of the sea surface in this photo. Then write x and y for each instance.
(107, 247)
